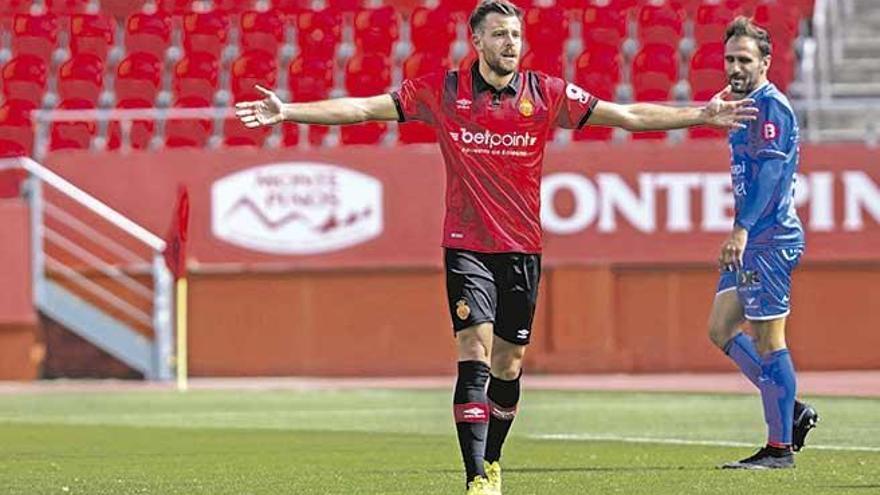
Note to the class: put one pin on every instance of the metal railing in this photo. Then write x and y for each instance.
(65, 280)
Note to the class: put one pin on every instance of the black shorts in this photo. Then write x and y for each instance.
(500, 287)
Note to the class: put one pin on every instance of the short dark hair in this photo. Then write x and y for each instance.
(487, 7)
(743, 26)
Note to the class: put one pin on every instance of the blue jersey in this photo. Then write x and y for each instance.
(764, 160)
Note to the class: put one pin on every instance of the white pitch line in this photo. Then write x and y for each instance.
(586, 437)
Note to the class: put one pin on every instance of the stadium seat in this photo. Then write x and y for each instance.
(318, 33)
(148, 33)
(706, 77)
(366, 74)
(460, 7)
(655, 67)
(24, 79)
(291, 8)
(345, 6)
(598, 72)
(205, 32)
(140, 132)
(196, 75)
(81, 78)
(16, 128)
(711, 22)
(175, 7)
(782, 67)
(550, 26)
(431, 30)
(67, 7)
(250, 69)
(660, 24)
(376, 30)
(604, 24)
(309, 79)
(263, 31)
(73, 135)
(781, 19)
(35, 35)
(417, 65)
(11, 7)
(91, 34)
(548, 63)
(138, 77)
(180, 133)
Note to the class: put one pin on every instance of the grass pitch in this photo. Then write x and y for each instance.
(402, 442)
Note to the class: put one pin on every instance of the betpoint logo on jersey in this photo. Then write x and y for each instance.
(494, 140)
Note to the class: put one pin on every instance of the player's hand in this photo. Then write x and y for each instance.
(720, 112)
(267, 111)
(732, 249)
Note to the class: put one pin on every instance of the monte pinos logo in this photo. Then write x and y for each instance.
(296, 208)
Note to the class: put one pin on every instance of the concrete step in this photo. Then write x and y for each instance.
(860, 89)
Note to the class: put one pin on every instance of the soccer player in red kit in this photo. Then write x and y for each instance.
(492, 123)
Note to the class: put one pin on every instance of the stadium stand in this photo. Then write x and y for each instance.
(69, 54)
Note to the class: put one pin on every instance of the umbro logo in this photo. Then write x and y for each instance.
(523, 334)
(474, 413)
(463, 104)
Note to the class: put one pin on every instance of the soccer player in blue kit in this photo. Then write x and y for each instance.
(763, 248)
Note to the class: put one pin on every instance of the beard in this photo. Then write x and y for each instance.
(741, 85)
(495, 64)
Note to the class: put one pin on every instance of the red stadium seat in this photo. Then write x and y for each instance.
(196, 75)
(92, 34)
(140, 132)
(81, 78)
(347, 6)
(458, 6)
(16, 128)
(432, 30)
(73, 135)
(205, 32)
(11, 7)
(598, 72)
(417, 65)
(706, 77)
(782, 67)
(67, 7)
(291, 8)
(604, 24)
(366, 74)
(35, 35)
(24, 79)
(654, 67)
(149, 33)
(549, 26)
(309, 79)
(376, 30)
(711, 22)
(780, 19)
(138, 77)
(180, 133)
(175, 7)
(250, 69)
(660, 24)
(318, 33)
(548, 63)
(262, 31)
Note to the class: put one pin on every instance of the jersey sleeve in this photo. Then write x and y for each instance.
(416, 99)
(573, 104)
(777, 133)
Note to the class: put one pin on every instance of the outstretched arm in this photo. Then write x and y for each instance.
(271, 110)
(652, 117)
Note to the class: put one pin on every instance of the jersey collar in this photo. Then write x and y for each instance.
(480, 85)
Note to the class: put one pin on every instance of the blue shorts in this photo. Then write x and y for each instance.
(763, 284)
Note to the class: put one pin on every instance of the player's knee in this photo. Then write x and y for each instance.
(472, 349)
(720, 333)
(507, 365)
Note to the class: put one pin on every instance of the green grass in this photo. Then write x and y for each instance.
(402, 442)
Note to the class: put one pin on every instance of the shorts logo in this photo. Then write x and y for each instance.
(462, 310)
(523, 334)
(526, 108)
(770, 131)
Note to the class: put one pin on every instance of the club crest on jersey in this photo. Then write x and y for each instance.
(526, 108)
(462, 310)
